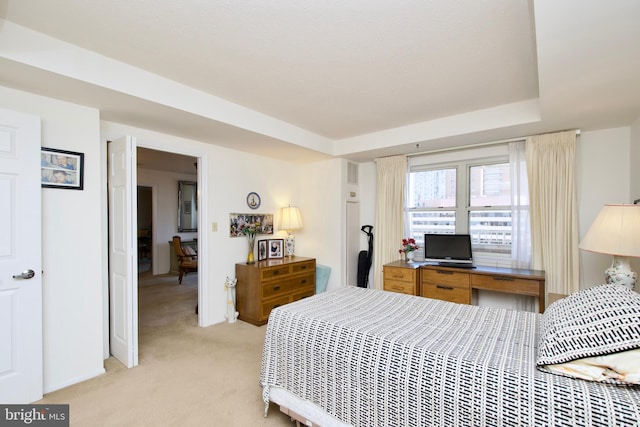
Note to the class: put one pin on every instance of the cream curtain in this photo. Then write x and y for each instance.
(391, 180)
(554, 221)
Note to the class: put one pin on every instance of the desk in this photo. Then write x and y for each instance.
(457, 284)
(173, 258)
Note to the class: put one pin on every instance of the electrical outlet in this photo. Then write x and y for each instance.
(214, 227)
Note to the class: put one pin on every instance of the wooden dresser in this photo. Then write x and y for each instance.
(457, 284)
(271, 283)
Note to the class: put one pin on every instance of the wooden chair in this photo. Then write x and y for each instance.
(187, 260)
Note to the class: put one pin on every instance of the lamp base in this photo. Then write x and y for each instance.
(620, 272)
(289, 245)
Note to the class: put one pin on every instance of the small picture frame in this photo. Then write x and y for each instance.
(275, 248)
(61, 169)
(262, 249)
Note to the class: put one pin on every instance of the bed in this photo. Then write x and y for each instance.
(362, 357)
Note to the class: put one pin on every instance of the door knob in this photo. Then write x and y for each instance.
(27, 274)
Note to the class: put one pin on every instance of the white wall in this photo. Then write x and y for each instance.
(604, 176)
(74, 271)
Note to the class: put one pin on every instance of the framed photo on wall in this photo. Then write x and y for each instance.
(262, 249)
(275, 248)
(61, 169)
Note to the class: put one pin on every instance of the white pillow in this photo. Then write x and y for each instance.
(598, 321)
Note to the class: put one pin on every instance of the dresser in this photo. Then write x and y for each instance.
(457, 284)
(267, 284)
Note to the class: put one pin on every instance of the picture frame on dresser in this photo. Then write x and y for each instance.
(275, 248)
(262, 249)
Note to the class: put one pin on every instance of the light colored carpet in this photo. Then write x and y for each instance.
(187, 376)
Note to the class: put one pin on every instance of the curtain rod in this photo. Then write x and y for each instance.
(482, 144)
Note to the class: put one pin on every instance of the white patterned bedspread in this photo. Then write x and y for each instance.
(376, 358)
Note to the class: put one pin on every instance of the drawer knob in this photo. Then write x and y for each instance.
(448, 288)
(276, 272)
(303, 281)
(276, 288)
(444, 272)
(504, 279)
(304, 267)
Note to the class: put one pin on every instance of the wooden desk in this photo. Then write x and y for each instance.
(457, 284)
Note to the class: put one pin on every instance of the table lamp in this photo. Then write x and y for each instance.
(290, 219)
(616, 231)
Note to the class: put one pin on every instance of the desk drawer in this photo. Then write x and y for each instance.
(505, 284)
(399, 275)
(446, 277)
(399, 286)
(446, 292)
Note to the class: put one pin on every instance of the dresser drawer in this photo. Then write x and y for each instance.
(274, 272)
(303, 267)
(401, 287)
(446, 292)
(399, 275)
(275, 287)
(308, 280)
(301, 293)
(446, 277)
(270, 304)
(505, 284)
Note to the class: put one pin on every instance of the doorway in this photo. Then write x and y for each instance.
(145, 240)
(126, 170)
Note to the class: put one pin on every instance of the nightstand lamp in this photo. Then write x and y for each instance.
(290, 219)
(616, 231)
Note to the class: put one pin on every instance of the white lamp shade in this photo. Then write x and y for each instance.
(290, 218)
(615, 231)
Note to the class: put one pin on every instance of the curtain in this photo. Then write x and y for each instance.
(554, 221)
(521, 237)
(520, 220)
(391, 180)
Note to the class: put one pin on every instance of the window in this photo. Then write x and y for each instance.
(463, 196)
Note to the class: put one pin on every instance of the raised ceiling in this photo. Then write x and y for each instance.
(302, 80)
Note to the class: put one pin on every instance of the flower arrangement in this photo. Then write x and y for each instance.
(249, 229)
(408, 245)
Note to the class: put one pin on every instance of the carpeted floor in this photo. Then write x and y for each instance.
(187, 376)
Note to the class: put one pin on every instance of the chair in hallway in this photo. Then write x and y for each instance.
(187, 258)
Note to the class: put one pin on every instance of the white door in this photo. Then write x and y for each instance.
(353, 242)
(123, 270)
(21, 378)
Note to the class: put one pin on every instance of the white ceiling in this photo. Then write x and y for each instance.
(302, 80)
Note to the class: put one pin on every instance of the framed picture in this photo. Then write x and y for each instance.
(275, 248)
(262, 250)
(263, 223)
(61, 169)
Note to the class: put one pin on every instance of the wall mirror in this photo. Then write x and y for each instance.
(187, 206)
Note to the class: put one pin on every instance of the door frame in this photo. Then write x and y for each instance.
(203, 238)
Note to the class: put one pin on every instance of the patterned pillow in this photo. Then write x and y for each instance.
(596, 321)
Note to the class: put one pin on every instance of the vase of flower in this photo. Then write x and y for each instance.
(250, 231)
(251, 239)
(409, 248)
